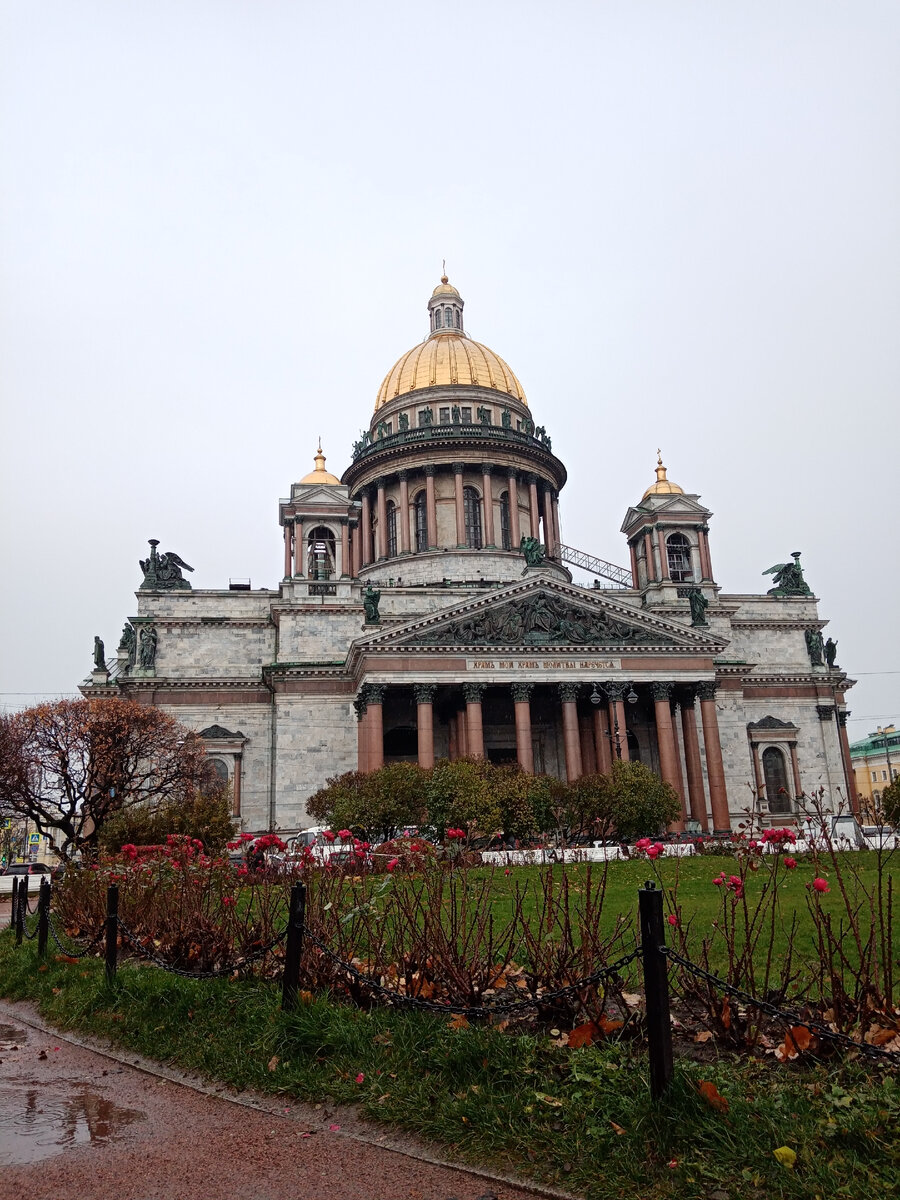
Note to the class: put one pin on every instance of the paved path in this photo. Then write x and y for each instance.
(77, 1123)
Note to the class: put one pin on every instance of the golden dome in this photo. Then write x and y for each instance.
(663, 486)
(320, 475)
(448, 356)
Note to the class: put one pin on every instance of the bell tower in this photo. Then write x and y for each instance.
(668, 537)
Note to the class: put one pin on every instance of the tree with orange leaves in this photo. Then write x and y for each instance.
(69, 766)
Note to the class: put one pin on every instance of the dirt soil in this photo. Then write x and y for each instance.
(78, 1122)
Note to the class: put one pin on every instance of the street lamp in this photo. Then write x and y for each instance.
(596, 698)
(887, 751)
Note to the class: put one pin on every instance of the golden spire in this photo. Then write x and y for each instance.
(320, 458)
(660, 469)
(663, 486)
(444, 278)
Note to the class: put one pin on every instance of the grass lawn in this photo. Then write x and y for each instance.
(580, 1118)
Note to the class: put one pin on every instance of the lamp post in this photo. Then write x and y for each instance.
(596, 698)
(887, 750)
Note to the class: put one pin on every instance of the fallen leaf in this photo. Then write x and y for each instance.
(703, 1036)
(713, 1096)
(43, 967)
(797, 1039)
(607, 1025)
(582, 1035)
(305, 997)
(334, 1128)
(878, 1037)
(725, 1015)
(66, 958)
(553, 1101)
(617, 1128)
(273, 1062)
(458, 1021)
(786, 1156)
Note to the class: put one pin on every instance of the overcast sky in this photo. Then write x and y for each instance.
(221, 222)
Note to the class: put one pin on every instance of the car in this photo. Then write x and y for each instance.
(34, 871)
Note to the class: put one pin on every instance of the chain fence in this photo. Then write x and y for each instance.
(216, 973)
(401, 999)
(823, 1032)
(82, 952)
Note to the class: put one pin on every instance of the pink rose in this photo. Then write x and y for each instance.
(821, 885)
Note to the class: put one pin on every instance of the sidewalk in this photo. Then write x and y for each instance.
(77, 1122)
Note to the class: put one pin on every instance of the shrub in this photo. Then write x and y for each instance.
(204, 816)
(376, 805)
(631, 801)
(890, 802)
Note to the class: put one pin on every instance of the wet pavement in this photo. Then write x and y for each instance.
(76, 1124)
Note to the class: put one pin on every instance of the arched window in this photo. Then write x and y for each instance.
(458, 326)
(505, 535)
(391, 529)
(678, 549)
(420, 509)
(472, 513)
(775, 774)
(448, 317)
(320, 556)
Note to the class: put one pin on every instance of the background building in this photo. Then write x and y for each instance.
(427, 609)
(876, 762)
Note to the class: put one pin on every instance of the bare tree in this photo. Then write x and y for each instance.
(69, 766)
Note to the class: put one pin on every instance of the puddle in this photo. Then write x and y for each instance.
(11, 1037)
(36, 1123)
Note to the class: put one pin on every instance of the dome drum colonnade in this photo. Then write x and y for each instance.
(452, 460)
(593, 731)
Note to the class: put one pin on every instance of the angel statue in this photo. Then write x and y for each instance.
(788, 578)
(162, 572)
(535, 552)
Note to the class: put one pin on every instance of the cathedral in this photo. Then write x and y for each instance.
(427, 610)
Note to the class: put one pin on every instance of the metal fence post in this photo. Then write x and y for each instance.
(43, 917)
(14, 911)
(656, 988)
(21, 909)
(293, 947)
(112, 930)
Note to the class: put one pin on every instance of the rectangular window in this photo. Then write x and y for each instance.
(444, 416)
(884, 774)
(424, 417)
(466, 414)
(388, 428)
(874, 776)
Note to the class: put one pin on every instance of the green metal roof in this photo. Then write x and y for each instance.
(874, 743)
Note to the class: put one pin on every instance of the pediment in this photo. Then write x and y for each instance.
(546, 613)
(333, 495)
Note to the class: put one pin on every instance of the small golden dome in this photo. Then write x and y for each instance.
(445, 288)
(449, 358)
(320, 475)
(663, 486)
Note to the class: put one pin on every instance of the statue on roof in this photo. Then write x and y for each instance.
(149, 638)
(371, 600)
(99, 655)
(128, 644)
(699, 604)
(814, 647)
(788, 578)
(830, 653)
(162, 572)
(535, 552)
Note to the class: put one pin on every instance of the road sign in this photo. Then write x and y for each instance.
(34, 839)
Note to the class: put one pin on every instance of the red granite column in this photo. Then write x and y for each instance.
(556, 530)
(665, 737)
(404, 513)
(586, 738)
(533, 504)
(648, 557)
(849, 775)
(487, 504)
(515, 528)
(462, 733)
(549, 532)
(706, 563)
(602, 744)
(636, 581)
(795, 768)
(458, 469)
(692, 760)
(568, 694)
(362, 732)
(382, 547)
(425, 693)
(366, 528)
(758, 775)
(345, 548)
(356, 549)
(375, 720)
(663, 555)
(521, 694)
(298, 547)
(475, 728)
(453, 750)
(430, 508)
(287, 549)
(715, 767)
(236, 786)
